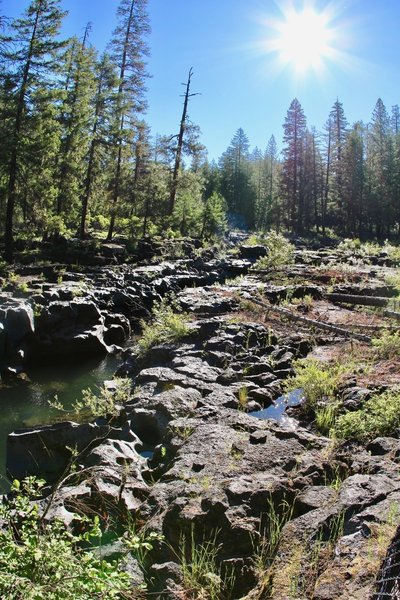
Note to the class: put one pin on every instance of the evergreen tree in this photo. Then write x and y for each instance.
(292, 180)
(76, 119)
(236, 186)
(337, 125)
(129, 50)
(98, 163)
(35, 57)
(270, 212)
(380, 150)
(354, 181)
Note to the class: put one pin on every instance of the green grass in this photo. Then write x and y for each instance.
(319, 382)
(201, 570)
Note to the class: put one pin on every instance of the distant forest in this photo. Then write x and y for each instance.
(77, 157)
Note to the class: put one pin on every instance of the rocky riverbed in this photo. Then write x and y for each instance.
(288, 512)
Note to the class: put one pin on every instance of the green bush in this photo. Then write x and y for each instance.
(45, 561)
(388, 345)
(380, 416)
(167, 325)
(280, 252)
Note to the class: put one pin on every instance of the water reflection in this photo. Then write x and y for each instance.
(27, 404)
(277, 410)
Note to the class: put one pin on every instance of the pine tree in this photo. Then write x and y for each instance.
(129, 51)
(236, 186)
(337, 125)
(76, 119)
(271, 212)
(354, 181)
(380, 150)
(35, 57)
(98, 159)
(292, 168)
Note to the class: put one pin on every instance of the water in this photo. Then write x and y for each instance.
(26, 405)
(277, 410)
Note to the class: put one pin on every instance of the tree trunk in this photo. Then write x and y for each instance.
(178, 153)
(12, 173)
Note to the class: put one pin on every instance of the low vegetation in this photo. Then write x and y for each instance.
(387, 346)
(106, 402)
(45, 561)
(280, 252)
(319, 382)
(201, 570)
(167, 325)
(379, 416)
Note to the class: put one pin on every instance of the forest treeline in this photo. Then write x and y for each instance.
(77, 157)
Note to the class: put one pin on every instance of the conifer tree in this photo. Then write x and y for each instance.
(338, 125)
(292, 168)
(35, 57)
(380, 151)
(129, 50)
(76, 118)
(236, 186)
(98, 160)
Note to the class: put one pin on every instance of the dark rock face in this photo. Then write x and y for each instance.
(186, 456)
(16, 326)
(46, 451)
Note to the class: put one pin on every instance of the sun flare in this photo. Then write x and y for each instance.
(304, 40)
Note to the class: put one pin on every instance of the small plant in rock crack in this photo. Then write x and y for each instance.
(167, 325)
(202, 572)
(265, 547)
(243, 398)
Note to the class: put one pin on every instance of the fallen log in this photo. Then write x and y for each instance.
(312, 323)
(361, 300)
(391, 313)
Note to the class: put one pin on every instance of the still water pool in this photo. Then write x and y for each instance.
(276, 411)
(27, 405)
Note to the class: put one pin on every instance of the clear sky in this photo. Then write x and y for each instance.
(249, 60)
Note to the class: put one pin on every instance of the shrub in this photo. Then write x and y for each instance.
(380, 416)
(388, 345)
(44, 561)
(166, 326)
(107, 401)
(319, 382)
(280, 252)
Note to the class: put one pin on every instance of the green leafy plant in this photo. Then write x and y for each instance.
(44, 561)
(280, 252)
(380, 416)
(107, 402)
(167, 325)
(387, 346)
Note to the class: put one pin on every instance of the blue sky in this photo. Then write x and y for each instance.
(241, 81)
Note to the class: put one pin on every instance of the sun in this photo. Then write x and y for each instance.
(304, 40)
